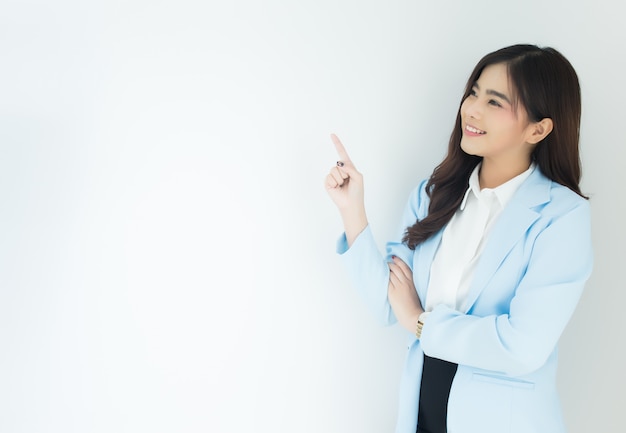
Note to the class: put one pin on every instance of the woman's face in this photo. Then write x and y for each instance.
(491, 126)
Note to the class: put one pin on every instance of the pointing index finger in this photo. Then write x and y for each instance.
(341, 151)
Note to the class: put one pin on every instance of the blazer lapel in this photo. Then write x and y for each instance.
(510, 228)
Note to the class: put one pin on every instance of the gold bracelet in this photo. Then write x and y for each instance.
(418, 328)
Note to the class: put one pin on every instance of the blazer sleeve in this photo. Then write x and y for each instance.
(520, 342)
(367, 267)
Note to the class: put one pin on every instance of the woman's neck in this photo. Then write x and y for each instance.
(493, 175)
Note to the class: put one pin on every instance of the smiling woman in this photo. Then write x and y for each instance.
(495, 252)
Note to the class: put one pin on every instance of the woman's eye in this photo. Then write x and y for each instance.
(494, 103)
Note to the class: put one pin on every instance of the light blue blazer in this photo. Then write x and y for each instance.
(525, 288)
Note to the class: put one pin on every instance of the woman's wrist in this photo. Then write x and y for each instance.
(411, 320)
(354, 222)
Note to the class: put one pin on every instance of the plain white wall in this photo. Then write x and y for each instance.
(166, 245)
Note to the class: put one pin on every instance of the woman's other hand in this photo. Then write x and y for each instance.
(402, 295)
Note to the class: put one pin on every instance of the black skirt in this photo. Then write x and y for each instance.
(437, 376)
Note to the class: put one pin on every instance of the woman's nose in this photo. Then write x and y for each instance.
(472, 108)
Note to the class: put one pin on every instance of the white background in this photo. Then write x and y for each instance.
(166, 244)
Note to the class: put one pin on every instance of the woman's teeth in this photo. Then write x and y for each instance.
(474, 130)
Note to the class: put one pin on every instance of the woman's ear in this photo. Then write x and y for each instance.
(540, 130)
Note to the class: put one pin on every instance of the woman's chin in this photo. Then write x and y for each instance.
(468, 148)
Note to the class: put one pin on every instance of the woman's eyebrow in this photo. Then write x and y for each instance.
(498, 94)
(494, 93)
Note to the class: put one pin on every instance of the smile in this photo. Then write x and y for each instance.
(474, 130)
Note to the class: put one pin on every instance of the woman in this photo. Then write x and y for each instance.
(493, 256)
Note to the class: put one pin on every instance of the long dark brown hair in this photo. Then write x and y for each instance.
(546, 85)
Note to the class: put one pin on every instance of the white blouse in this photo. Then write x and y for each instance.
(464, 239)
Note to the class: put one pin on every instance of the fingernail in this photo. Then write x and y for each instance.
(339, 163)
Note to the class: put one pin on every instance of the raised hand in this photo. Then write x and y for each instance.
(344, 185)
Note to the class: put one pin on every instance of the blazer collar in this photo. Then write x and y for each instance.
(534, 191)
